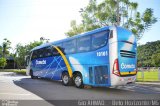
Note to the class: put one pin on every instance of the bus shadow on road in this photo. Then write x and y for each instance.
(51, 91)
(54, 90)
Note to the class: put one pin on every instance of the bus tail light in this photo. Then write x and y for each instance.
(116, 68)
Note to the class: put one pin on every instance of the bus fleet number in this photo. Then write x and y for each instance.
(103, 53)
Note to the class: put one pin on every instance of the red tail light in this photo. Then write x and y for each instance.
(116, 68)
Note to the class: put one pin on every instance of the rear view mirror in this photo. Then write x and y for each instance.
(27, 58)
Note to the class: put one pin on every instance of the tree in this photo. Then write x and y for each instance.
(4, 52)
(22, 51)
(1, 51)
(149, 54)
(3, 62)
(75, 28)
(113, 12)
(5, 48)
(156, 59)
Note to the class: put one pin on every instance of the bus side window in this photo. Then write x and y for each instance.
(34, 55)
(99, 39)
(40, 53)
(60, 46)
(83, 44)
(47, 52)
(55, 52)
(69, 46)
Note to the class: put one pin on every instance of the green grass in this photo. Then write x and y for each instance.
(22, 71)
(151, 75)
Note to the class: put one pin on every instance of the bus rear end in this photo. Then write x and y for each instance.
(124, 61)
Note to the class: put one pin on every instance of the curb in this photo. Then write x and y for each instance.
(149, 83)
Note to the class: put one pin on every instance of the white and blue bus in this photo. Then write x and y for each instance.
(101, 57)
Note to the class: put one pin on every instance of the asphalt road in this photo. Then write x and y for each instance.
(44, 92)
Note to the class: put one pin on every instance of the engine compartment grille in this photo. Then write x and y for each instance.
(129, 54)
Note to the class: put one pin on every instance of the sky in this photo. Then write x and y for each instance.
(24, 21)
(152, 34)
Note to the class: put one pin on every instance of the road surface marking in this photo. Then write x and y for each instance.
(14, 94)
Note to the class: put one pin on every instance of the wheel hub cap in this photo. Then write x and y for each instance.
(78, 81)
(65, 79)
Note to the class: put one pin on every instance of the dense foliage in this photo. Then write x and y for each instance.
(4, 48)
(113, 12)
(22, 51)
(19, 52)
(3, 62)
(149, 54)
(4, 52)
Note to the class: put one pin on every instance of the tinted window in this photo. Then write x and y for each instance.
(44, 52)
(69, 46)
(55, 52)
(83, 44)
(99, 39)
(34, 55)
(47, 51)
(60, 46)
(40, 53)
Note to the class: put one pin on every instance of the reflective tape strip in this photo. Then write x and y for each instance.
(128, 73)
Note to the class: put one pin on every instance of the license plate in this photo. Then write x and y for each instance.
(129, 79)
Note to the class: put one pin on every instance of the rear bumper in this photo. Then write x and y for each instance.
(116, 80)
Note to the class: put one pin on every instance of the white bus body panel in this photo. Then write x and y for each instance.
(113, 54)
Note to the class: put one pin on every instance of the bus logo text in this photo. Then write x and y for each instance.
(125, 66)
(41, 62)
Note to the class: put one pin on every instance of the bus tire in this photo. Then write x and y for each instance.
(31, 73)
(78, 81)
(66, 80)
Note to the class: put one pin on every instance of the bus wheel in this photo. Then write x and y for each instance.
(78, 81)
(31, 73)
(66, 80)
